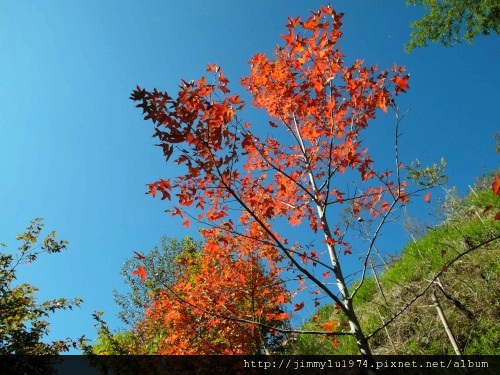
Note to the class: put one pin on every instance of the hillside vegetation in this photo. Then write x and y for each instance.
(467, 290)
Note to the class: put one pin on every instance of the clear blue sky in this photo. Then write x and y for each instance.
(74, 149)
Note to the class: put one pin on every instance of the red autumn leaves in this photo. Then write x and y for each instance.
(495, 187)
(221, 290)
(427, 197)
(240, 185)
(141, 272)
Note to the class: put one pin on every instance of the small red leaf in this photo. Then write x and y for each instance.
(152, 190)
(298, 306)
(401, 83)
(213, 68)
(384, 206)
(495, 186)
(288, 38)
(443, 251)
(141, 272)
(326, 275)
(427, 197)
(176, 211)
(487, 208)
(186, 223)
(292, 23)
(497, 216)
(139, 256)
(347, 251)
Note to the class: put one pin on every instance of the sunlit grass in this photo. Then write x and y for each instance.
(471, 284)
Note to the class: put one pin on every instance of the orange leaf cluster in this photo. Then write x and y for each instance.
(202, 312)
(308, 90)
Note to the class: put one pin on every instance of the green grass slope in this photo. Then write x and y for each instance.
(468, 290)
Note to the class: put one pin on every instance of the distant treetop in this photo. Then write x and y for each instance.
(450, 21)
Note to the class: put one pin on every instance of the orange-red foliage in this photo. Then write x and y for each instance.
(322, 105)
(226, 281)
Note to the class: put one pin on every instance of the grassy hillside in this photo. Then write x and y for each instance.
(468, 290)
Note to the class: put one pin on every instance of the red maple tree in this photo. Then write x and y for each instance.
(245, 187)
(225, 302)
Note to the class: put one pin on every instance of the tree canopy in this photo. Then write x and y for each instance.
(23, 324)
(311, 171)
(163, 318)
(451, 21)
(139, 336)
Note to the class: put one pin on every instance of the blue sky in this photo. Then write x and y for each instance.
(75, 151)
